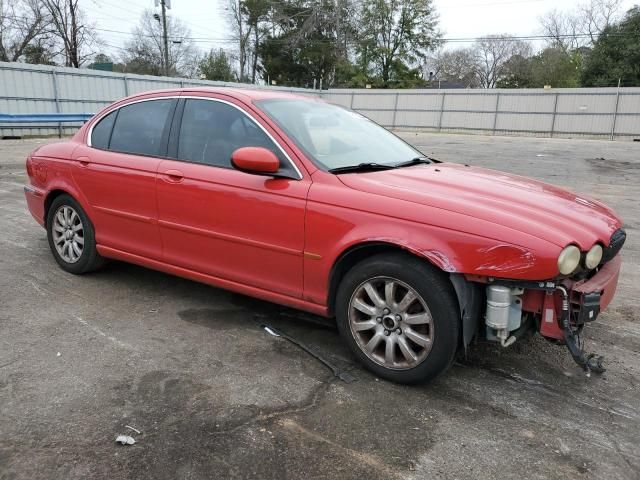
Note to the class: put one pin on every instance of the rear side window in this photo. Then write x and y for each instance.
(139, 127)
(102, 132)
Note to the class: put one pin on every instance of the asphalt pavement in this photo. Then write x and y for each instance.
(213, 395)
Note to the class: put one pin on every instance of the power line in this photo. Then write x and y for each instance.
(355, 42)
(488, 4)
(227, 40)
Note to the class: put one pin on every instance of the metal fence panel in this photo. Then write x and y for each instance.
(585, 112)
(627, 125)
(46, 89)
(409, 101)
(570, 112)
(517, 122)
(475, 102)
(417, 119)
(592, 104)
(629, 104)
(467, 121)
(527, 104)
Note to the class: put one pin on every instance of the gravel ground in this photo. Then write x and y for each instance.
(214, 396)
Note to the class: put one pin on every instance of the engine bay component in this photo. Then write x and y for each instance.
(504, 313)
(589, 362)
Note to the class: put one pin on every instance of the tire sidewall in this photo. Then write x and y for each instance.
(438, 294)
(89, 252)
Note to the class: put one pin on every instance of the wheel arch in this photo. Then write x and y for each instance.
(51, 196)
(360, 251)
(469, 295)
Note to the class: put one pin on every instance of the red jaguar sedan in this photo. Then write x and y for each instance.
(311, 205)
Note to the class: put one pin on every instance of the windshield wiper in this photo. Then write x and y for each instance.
(362, 167)
(414, 161)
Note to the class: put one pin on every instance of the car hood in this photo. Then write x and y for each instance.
(536, 208)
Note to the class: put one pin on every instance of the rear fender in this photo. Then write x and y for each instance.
(61, 180)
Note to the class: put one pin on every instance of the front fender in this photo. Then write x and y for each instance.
(332, 230)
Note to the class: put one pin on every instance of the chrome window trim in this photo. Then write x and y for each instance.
(195, 97)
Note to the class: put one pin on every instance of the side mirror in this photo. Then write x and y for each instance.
(257, 160)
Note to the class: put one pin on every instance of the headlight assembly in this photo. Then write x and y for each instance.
(569, 260)
(594, 257)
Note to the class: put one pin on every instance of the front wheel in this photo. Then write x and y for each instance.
(400, 317)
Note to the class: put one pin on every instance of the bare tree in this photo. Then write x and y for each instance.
(598, 15)
(22, 22)
(581, 27)
(71, 28)
(492, 54)
(240, 33)
(145, 52)
(457, 65)
(564, 30)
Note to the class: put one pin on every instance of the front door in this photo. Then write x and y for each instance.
(229, 224)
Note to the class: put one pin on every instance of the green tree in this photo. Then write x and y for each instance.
(302, 46)
(216, 66)
(396, 34)
(403, 76)
(615, 54)
(38, 55)
(553, 66)
(556, 67)
(519, 73)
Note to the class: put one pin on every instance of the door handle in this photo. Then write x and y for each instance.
(84, 161)
(175, 176)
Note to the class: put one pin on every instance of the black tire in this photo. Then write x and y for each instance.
(89, 260)
(435, 291)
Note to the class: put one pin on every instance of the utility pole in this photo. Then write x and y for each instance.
(164, 4)
(164, 35)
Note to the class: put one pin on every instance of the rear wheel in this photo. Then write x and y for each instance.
(71, 236)
(400, 317)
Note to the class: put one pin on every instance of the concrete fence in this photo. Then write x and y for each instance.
(589, 112)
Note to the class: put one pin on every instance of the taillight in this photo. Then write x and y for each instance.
(29, 167)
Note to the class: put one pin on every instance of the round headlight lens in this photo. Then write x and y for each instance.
(569, 260)
(594, 257)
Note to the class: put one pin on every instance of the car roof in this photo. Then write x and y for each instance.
(246, 94)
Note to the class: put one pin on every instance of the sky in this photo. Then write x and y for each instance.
(208, 24)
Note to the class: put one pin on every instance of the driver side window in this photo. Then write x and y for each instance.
(211, 131)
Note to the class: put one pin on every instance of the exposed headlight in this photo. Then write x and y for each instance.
(569, 260)
(594, 257)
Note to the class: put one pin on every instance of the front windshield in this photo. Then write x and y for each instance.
(336, 137)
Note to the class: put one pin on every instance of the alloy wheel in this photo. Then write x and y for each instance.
(68, 234)
(391, 323)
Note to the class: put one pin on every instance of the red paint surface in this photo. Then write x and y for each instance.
(255, 159)
(250, 233)
(605, 282)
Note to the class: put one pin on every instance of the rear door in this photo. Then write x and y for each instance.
(116, 172)
(217, 220)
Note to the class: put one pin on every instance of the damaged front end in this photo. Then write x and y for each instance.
(558, 309)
